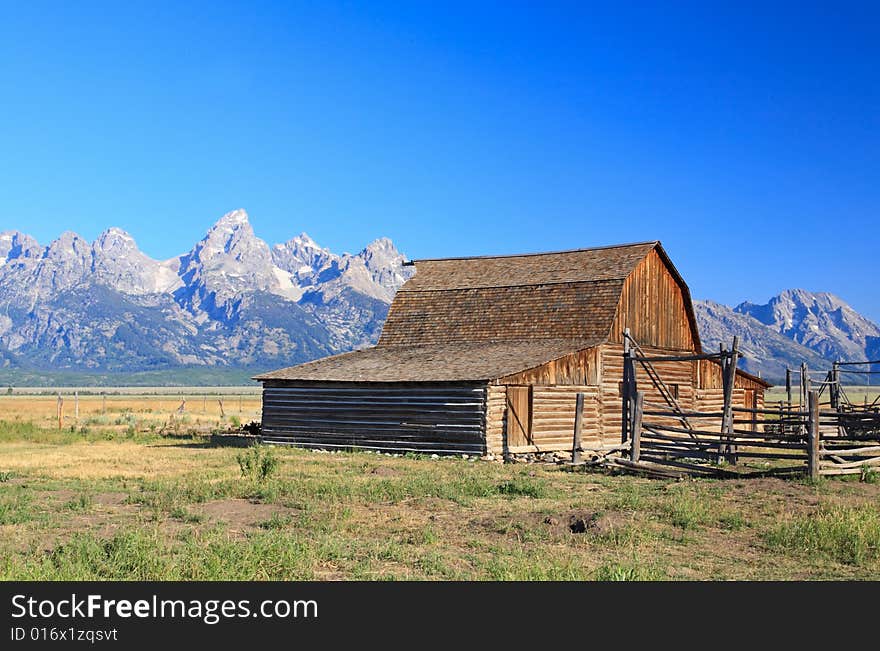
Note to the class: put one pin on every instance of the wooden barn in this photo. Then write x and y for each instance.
(486, 356)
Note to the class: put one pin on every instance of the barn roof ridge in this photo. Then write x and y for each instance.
(545, 283)
(410, 263)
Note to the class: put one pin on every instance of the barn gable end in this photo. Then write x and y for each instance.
(655, 305)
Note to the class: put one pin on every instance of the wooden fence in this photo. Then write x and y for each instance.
(664, 439)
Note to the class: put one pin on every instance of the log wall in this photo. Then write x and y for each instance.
(442, 418)
(496, 419)
(553, 413)
(674, 374)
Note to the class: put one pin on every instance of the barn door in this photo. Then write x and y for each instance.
(751, 403)
(519, 416)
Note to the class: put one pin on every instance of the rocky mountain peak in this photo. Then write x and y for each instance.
(14, 245)
(385, 264)
(233, 218)
(819, 320)
(68, 245)
(115, 239)
(230, 301)
(303, 258)
(118, 263)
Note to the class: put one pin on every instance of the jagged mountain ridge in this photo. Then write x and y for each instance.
(229, 301)
(234, 301)
(793, 327)
(820, 321)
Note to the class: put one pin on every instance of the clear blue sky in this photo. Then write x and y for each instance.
(746, 138)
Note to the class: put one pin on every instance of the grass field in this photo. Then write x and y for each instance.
(856, 394)
(130, 411)
(136, 505)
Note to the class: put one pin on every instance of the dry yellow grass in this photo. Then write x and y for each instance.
(201, 413)
(113, 460)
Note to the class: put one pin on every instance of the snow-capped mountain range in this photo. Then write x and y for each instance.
(233, 301)
(230, 301)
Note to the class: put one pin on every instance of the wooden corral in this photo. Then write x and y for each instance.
(493, 355)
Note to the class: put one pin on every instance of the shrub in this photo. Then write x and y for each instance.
(258, 463)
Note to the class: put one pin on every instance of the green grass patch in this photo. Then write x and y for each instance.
(522, 487)
(627, 572)
(849, 535)
(277, 521)
(687, 510)
(82, 502)
(16, 506)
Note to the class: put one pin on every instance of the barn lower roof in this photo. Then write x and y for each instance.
(468, 361)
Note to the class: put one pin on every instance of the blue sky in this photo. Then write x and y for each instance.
(746, 138)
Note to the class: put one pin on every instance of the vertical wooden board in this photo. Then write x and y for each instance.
(519, 416)
(655, 308)
(575, 369)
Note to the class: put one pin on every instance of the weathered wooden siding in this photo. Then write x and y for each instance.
(712, 401)
(581, 368)
(709, 377)
(496, 420)
(428, 417)
(653, 306)
(553, 413)
(674, 374)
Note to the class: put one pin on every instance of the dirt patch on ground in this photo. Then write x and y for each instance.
(384, 471)
(240, 514)
(60, 496)
(586, 522)
(110, 499)
(574, 522)
(16, 481)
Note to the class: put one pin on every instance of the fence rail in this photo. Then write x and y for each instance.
(820, 439)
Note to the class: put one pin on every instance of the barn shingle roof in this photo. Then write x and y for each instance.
(581, 265)
(451, 362)
(484, 318)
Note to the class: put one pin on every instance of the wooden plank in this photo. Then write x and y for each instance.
(636, 434)
(578, 427)
(813, 462)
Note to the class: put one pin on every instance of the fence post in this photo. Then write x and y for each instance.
(805, 391)
(835, 397)
(60, 412)
(578, 424)
(788, 386)
(636, 434)
(813, 436)
(627, 382)
(726, 448)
